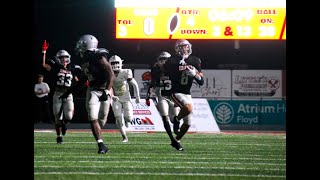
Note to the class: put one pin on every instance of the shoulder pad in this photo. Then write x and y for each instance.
(101, 51)
(128, 70)
(77, 67)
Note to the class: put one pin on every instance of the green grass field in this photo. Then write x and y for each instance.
(149, 156)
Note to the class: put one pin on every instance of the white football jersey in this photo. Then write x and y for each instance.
(121, 86)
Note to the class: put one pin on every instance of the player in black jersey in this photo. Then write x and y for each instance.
(98, 71)
(182, 69)
(65, 74)
(161, 83)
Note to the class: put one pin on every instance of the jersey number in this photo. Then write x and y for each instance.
(184, 78)
(64, 79)
(165, 85)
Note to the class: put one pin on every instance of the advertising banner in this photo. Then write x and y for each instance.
(249, 112)
(217, 83)
(147, 118)
(257, 83)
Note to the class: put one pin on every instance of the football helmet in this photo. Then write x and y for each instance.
(86, 42)
(180, 50)
(163, 57)
(116, 63)
(63, 53)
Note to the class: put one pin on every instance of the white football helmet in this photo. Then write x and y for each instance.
(116, 63)
(63, 53)
(163, 57)
(86, 42)
(180, 50)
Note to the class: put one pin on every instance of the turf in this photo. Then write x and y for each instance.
(149, 156)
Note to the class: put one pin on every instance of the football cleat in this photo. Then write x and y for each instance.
(177, 145)
(125, 140)
(102, 148)
(59, 140)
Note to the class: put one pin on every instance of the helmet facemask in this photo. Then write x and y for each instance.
(116, 63)
(183, 48)
(63, 57)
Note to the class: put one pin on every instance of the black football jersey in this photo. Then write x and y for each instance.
(92, 68)
(181, 82)
(161, 79)
(64, 77)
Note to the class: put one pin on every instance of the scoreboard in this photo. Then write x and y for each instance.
(201, 19)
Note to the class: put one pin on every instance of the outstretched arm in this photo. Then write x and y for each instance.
(45, 46)
(46, 66)
(134, 83)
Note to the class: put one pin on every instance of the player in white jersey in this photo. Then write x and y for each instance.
(121, 105)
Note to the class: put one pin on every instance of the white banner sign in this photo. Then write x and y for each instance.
(256, 83)
(217, 83)
(143, 78)
(202, 117)
(147, 118)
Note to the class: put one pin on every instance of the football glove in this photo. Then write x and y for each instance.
(115, 98)
(137, 100)
(45, 46)
(191, 71)
(148, 102)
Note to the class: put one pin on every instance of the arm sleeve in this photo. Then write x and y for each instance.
(199, 81)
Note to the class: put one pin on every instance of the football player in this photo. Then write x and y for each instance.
(97, 72)
(65, 74)
(121, 104)
(161, 84)
(182, 69)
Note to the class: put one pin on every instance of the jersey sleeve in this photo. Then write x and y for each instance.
(198, 64)
(77, 70)
(129, 73)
